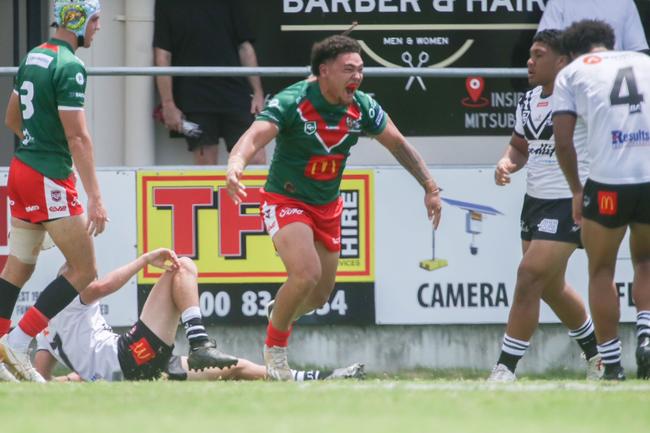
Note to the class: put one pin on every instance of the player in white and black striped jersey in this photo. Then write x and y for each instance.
(608, 92)
(548, 233)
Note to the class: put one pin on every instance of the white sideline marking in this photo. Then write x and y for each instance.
(470, 386)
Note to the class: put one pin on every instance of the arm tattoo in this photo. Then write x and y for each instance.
(411, 160)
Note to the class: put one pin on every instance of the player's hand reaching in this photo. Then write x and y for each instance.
(236, 189)
(97, 216)
(503, 170)
(434, 206)
(163, 258)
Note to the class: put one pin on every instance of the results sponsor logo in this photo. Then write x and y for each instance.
(621, 139)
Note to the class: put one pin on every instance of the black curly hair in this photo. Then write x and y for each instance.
(580, 37)
(552, 38)
(329, 48)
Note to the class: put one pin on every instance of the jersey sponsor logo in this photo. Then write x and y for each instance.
(32, 208)
(607, 202)
(329, 136)
(142, 351)
(636, 138)
(310, 128)
(27, 138)
(592, 60)
(548, 225)
(379, 118)
(39, 59)
(541, 104)
(544, 149)
(285, 212)
(324, 168)
(58, 208)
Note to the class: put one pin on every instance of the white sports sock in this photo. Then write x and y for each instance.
(191, 313)
(18, 340)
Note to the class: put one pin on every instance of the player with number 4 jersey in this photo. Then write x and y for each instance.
(315, 123)
(608, 91)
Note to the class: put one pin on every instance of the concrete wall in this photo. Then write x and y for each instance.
(393, 348)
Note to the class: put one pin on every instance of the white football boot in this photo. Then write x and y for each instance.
(277, 364)
(595, 367)
(5, 374)
(501, 374)
(354, 371)
(18, 363)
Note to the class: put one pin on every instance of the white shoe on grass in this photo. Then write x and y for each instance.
(501, 374)
(354, 371)
(277, 364)
(18, 363)
(5, 374)
(595, 367)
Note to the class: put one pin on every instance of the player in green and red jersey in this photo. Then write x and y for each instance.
(45, 111)
(315, 123)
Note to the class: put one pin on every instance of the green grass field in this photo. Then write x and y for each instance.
(372, 406)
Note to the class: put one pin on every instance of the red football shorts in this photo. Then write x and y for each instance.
(35, 198)
(325, 220)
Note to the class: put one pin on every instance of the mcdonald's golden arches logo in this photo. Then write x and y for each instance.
(142, 351)
(607, 202)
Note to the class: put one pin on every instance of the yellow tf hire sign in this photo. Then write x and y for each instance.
(190, 212)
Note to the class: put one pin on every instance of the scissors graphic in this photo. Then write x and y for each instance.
(408, 59)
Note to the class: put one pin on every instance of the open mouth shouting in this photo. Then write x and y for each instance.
(350, 88)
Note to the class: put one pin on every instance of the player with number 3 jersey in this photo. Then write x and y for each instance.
(608, 91)
(315, 123)
(46, 111)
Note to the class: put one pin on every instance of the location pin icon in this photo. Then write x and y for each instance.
(474, 86)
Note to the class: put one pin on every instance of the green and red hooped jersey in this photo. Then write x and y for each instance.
(314, 140)
(50, 78)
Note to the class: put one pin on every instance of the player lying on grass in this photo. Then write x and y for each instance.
(81, 339)
(177, 369)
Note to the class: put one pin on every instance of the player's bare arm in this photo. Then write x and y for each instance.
(162, 258)
(412, 161)
(247, 57)
(513, 159)
(563, 126)
(172, 116)
(13, 119)
(44, 363)
(255, 138)
(81, 149)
